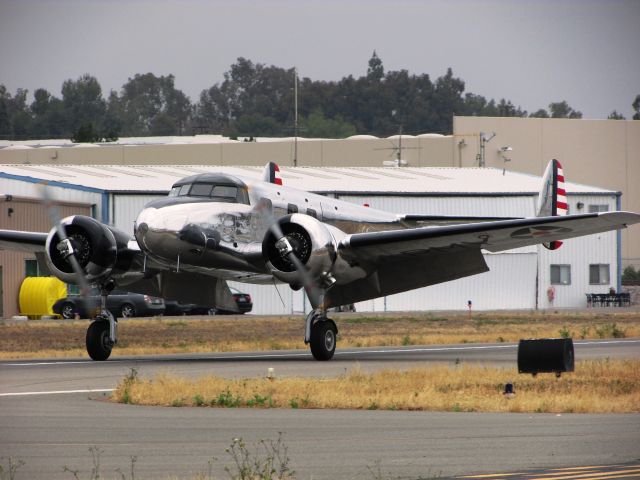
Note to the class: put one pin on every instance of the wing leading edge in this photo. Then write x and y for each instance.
(492, 236)
(22, 241)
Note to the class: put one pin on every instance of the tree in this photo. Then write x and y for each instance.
(541, 113)
(636, 108)
(448, 101)
(316, 125)
(83, 104)
(615, 116)
(48, 115)
(563, 110)
(151, 105)
(630, 276)
(375, 71)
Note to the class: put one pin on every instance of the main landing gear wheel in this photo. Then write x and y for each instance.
(99, 343)
(323, 339)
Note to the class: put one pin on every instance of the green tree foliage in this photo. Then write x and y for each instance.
(255, 99)
(83, 104)
(151, 105)
(636, 107)
(542, 113)
(316, 125)
(631, 276)
(15, 121)
(563, 110)
(615, 116)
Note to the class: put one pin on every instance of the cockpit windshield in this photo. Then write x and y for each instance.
(217, 193)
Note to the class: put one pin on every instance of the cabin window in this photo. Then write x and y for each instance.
(201, 190)
(291, 208)
(218, 193)
(560, 274)
(225, 191)
(599, 274)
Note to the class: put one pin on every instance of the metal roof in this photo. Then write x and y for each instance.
(383, 180)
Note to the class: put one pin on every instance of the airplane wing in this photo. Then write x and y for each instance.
(22, 241)
(401, 260)
(494, 236)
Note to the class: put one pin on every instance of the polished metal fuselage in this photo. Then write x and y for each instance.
(225, 239)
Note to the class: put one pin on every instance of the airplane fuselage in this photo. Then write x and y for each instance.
(216, 223)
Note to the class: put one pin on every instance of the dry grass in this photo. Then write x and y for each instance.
(601, 386)
(223, 334)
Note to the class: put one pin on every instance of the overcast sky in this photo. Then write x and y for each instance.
(531, 52)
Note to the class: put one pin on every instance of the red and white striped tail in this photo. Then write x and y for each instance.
(271, 173)
(552, 199)
(561, 193)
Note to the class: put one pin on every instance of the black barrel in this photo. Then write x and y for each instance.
(545, 355)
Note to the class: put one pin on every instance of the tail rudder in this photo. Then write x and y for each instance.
(552, 199)
(271, 173)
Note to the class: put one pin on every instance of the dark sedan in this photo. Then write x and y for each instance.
(119, 303)
(243, 301)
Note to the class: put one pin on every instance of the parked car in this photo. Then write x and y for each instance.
(243, 301)
(120, 303)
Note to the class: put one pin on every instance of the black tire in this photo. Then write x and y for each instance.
(98, 342)
(68, 311)
(323, 340)
(127, 311)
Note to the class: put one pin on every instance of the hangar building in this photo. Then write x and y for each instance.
(519, 279)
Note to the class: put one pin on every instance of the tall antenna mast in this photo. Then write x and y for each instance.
(295, 117)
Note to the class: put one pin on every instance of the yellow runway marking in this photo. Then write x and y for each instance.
(591, 476)
(494, 475)
(593, 472)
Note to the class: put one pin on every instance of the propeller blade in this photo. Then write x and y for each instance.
(314, 292)
(65, 246)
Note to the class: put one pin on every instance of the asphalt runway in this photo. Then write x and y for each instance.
(48, 430)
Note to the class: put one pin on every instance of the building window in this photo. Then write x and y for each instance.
(599, 274)
(598, 208)
(560, 274)
(31, 269)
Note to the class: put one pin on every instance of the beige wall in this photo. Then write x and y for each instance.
(418, 151)
(602, 153)
(28, 215)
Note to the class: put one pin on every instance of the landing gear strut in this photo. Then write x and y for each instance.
(102, 333)
(321, 333)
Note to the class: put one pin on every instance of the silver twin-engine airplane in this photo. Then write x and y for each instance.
(215, 227)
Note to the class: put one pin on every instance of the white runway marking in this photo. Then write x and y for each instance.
(55, 392)
(307, 354)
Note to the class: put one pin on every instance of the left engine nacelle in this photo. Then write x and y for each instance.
(312, 243)
(95, 245)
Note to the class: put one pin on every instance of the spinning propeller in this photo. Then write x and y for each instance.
(68, 248)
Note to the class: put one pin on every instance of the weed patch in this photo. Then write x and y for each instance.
(603, 386)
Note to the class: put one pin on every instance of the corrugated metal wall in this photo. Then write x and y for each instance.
(498, 206)
(126, 208)
(579, 253)
(28, 215)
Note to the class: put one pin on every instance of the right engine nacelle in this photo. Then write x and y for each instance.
(95, 246)
(312, 243)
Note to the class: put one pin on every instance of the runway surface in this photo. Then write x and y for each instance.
(49, 431)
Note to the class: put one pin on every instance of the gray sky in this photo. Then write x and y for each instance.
(530, 52)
